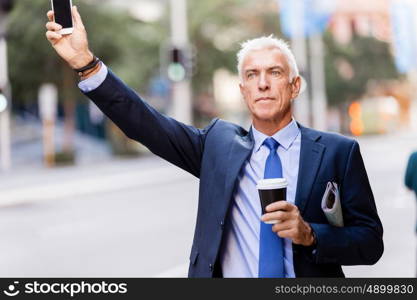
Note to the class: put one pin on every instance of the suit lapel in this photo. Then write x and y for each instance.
(311, 154)
(240, 150)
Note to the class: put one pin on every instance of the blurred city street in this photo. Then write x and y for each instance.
(80, 199)
(136, 217)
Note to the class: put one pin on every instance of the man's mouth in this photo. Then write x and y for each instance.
(264, 99)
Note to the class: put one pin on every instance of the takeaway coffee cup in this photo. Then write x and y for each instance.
(271, 190)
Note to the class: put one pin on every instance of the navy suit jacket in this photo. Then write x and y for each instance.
(216, 155)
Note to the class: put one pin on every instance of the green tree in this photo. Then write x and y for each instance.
(114, 36)
(365, 58)
(217, 27)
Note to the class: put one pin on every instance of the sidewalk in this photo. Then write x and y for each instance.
(27, 147)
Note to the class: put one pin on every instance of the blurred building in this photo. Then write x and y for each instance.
(394, 22)
(366, 18)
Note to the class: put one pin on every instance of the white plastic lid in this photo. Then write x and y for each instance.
(272, 183)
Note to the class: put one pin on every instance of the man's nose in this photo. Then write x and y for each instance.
(263, 83)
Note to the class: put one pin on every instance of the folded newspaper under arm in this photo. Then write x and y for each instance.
(331, 206)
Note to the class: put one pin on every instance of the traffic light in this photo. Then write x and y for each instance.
(6, 5)
(177, 69)
(180, 62)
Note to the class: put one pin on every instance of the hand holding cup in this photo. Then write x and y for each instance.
(271, 190)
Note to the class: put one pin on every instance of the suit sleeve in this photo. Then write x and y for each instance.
(409, 173)
(180, 144)
(359, 242)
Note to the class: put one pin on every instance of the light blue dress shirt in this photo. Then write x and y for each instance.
(240, 252)
(94, 81)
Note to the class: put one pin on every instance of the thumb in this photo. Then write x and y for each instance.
(78, 23)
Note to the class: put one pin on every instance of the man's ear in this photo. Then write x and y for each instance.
(295, 87)
(242, 90)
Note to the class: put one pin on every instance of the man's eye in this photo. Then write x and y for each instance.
(276, 73)
(250, 75)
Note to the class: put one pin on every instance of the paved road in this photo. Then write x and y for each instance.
(136, 217)
(125, 218)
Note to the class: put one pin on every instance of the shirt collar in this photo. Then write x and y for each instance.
(285, 137)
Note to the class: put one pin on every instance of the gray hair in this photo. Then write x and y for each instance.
(267, 42)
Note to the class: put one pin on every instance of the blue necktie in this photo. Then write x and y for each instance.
(271, 249)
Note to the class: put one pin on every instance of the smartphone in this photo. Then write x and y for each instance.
(63, 15)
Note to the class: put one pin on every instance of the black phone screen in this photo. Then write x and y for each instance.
(62, 11)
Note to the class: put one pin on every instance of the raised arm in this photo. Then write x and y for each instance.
(174, 141)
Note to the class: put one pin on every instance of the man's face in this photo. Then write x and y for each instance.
(265, 85)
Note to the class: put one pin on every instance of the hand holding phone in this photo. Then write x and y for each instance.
(73, 48)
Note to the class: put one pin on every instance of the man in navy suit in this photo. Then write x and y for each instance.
(229, 161)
